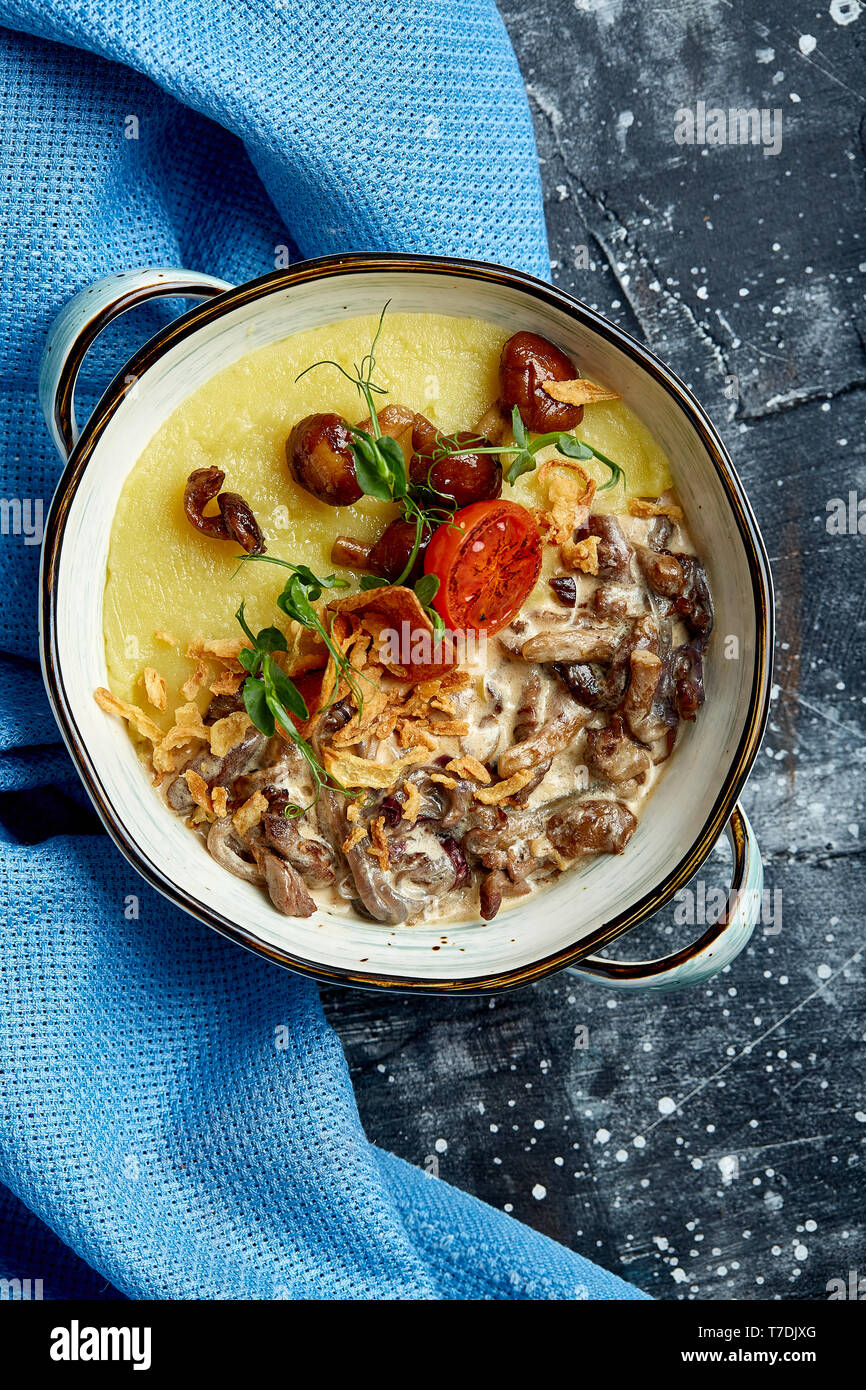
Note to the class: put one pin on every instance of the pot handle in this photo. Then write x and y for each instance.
(721, 943)
(79, 324)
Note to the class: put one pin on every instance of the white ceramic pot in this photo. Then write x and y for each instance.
(694, 802)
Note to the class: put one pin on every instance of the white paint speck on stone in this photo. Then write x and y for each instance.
(539, 1192)
(624, 123)
(667, 1106)
(808, 43)
(845, 11)
(729, 1168)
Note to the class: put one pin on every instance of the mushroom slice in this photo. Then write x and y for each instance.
(286, 888)
(637, 705)
(563, 725)
(216, 771)
(373, 886)
(591, 827)
(231, 853)
(590, 642)
(613, 551)
(661, 570)
(530, 711)
(494, 887)
(611, 754)
(311, 858)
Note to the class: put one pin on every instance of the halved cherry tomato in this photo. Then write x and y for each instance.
(487, 561)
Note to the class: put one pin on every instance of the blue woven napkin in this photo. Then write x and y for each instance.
(154, 1139)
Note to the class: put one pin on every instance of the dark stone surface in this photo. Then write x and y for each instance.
(736, 1112)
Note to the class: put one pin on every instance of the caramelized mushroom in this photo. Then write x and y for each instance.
(588, 686)
(661, 570)
(350, 552)
(240, 522)
(286, 888)
(216, 771)
(233, 521)
(687, 676)
(232, 853)
(491, 894)
(319, 453)
(397, 421)
(637, 706)
(469, 477)
(494, 886)
(390, 555)
(527, 361)
(609, 602)
(311, 858)
(202, 486)
(694, 604)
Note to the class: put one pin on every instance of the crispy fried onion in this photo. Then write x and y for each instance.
(570, 491)
(639, 506)
(352, 771)
(578, 392)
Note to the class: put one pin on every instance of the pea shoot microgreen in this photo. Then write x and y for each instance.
(301, 591)
(525, 448)
(380, 468)
(270, 696)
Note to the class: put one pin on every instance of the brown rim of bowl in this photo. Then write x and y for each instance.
(324, 268)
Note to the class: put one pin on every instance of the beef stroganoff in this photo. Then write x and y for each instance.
(406, 618)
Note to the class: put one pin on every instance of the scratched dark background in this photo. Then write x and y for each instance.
(708, 1144)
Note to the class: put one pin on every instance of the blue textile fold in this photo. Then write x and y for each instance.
(176, 1117)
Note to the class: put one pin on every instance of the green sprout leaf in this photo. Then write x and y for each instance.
(522, 462)
(247, 630)
(256, 704)
(617, 475)
(285, 690)
(396, 462)
(270, 639)
(518, 429)
(372, 467)
(295, 602)
(573, 448)
(426, 589)
(524, 450)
